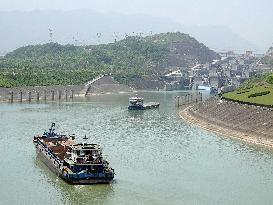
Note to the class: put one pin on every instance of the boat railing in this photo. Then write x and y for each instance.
(49, 152)
(92, 175)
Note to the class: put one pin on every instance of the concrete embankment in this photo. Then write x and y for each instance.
(244, 122)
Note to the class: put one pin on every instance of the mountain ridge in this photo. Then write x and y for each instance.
(82, 26)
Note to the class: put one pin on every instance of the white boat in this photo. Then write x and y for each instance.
(204, 87)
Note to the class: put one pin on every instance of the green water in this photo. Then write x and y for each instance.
(158, 158)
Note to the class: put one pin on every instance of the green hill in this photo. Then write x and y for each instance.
(133, 57)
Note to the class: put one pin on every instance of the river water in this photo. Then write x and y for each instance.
(158, 158)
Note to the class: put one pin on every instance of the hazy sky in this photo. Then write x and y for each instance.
(252, 19)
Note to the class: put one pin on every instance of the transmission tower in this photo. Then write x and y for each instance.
(75, 41)
(50, 35)
(99, 37)
(115, 36)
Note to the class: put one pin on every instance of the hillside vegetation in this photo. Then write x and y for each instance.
(128, 59)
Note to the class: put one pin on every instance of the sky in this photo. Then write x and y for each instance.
(251, 19)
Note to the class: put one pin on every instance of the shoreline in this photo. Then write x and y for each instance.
(224, 129)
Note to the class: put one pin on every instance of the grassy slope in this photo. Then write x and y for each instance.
(243, 93)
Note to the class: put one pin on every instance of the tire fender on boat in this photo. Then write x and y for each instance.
(64, 171)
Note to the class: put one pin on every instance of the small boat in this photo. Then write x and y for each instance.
(207, 88)
(204, 87)
(81, 163)
(137, 103)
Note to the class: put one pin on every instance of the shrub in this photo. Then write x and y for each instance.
(259, 94)
(242, 92)
(270, 79)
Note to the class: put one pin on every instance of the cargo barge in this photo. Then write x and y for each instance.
(137, 103)
(81, 163)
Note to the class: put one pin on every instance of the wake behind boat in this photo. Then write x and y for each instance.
(81, 163)
(137, 103)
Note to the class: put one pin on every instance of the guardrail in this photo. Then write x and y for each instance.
(188, 99)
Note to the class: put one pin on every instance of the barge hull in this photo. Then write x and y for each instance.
(145, 106)
(151, 106)
(46, 160)
(41, 154)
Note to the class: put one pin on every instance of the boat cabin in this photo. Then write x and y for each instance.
(136, 101)
(85, 158)
(84, 153)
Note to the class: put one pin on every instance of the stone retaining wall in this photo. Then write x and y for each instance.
(236, 116)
